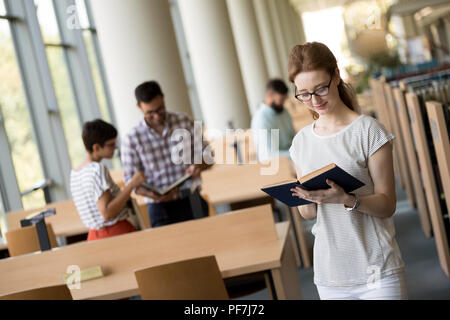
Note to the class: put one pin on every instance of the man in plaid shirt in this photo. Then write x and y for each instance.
(149, 147)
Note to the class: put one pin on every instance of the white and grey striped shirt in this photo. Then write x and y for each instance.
(349, 246)
(87, 186)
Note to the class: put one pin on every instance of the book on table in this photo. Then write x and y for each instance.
(167, 189)
(315, 180)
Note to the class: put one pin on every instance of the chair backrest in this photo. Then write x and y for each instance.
(193, 279)
(25, 240)
(60, 292)
(117, 176)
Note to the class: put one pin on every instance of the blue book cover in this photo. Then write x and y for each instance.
(315, 180)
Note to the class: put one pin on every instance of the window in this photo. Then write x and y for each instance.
(2, 8)
(49, 84)
(61, 79)
(17, 123)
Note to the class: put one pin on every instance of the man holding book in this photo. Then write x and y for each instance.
(149, 146)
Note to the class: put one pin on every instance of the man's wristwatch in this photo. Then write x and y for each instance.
(355, 206)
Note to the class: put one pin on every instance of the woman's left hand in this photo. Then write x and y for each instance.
(333, 195)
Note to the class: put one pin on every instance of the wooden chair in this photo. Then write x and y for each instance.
(25, 240)
(194, 279)
(117, 177)
(212, 210)
(60, 292)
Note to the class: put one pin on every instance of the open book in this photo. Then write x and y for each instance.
(315, 180)
(166, 190)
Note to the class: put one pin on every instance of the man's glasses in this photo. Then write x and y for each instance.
(307, 96)
(159, 111)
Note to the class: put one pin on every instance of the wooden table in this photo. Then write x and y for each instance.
(243, 242)
(228, 184)
(66, 222)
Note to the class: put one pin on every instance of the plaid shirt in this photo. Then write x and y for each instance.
(143, 149)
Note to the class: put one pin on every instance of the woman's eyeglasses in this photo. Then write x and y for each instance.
(307, 96)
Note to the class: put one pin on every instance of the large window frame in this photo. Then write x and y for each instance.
(40, 96)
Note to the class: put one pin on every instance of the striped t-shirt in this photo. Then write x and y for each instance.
(350, 248)
(87, 186)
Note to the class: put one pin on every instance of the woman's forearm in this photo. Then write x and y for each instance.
(309, 211)
(377, 205)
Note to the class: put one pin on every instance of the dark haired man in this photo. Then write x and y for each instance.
(101, 204)
(149, 147)
(272, 115)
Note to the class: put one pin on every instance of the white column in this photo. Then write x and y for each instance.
(138, 44)
(280, 42)
(267, 38)
(249, 49)
(215, 63)
(296, 18)
(286, 25)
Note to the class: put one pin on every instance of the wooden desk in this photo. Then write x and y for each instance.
(411, 156)
(233, 183)
(228, 184)
(431, 190)
(66, 222)
(243, 242)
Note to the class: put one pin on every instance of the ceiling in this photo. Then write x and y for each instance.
(403, 7)
(308, 5)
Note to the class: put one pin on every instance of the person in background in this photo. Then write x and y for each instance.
(101, 204)
(272, 115)
(356, 255)
(149, 147)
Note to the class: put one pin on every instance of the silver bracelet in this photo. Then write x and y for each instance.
(355, 206)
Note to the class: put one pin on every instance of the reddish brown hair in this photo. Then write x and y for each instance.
(313, 56)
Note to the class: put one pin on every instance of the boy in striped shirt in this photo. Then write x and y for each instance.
(101, 204)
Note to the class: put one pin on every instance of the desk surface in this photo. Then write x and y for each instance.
(66, 222)
(243, 242)
(234, 183)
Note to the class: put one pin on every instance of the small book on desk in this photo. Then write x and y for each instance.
(166, 190)
(315, 180)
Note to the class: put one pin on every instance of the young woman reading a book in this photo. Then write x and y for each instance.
(356, 255)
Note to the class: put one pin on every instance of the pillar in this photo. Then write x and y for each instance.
(215, 63)
(267, 35)
(138, 43)
(250, 50)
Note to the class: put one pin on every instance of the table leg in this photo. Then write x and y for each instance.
(294, 238)
(285, 280)
(301, 237)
